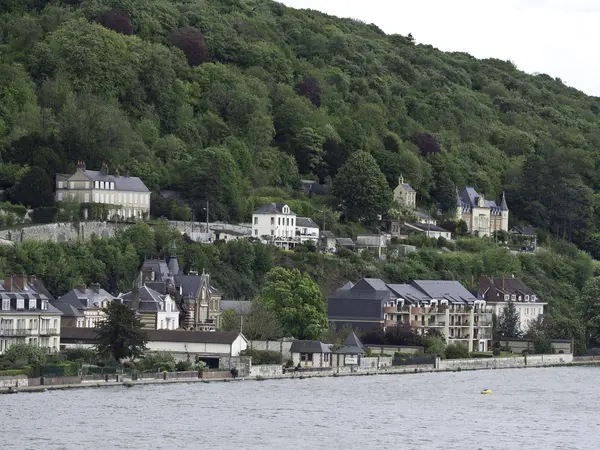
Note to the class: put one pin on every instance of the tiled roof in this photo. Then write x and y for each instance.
(82, 299)
(427, 227)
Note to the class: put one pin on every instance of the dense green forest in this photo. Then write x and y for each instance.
(232, 100)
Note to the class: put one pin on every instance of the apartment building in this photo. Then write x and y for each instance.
(26, 315)
(445, 306)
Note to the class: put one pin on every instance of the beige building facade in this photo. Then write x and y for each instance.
(405, 195)
(129, 195)
(483, 217)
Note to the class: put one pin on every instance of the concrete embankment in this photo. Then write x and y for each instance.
(276, 372)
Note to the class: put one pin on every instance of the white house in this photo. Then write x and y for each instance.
(158, 311)
(498, 291)
(275, 223)
(26, 314)
(307, 230)
(405, 195)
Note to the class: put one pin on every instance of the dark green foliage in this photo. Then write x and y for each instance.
(121, 335)
(117, 20)
(191, 41)
(44, 214)
(457, 351)
(508, 322)
(263, 356)
(34, 189)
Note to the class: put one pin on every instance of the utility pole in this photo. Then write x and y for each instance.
(207, 231)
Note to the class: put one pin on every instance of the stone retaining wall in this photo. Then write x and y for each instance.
(504, 363)
(56, 381)
(14, 381)
(266, 371)
(207, 375)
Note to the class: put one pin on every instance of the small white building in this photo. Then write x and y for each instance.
(307, 230)
(310, 354)
(405, 195)
(498, 291)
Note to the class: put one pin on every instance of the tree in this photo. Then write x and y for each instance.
(190, 40)
(121, 334)
(362, 188)
(230, 321)
(298, 302)
(35, 189)
(310, 88)
(590, 300)
(21, 354)
(427, 143)
(509, 321)
(262, 323)
(457, 351)
(117, 20)
(435, 345)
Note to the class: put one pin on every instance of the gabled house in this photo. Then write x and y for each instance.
(351, 352)
(483, 217)
(82, 306)
(198, 300)
(157, 311)
(310, 354)
(307, 230)
(275, 223)
(526, 237)
(405, 195)
(498, 291)
(129, 195)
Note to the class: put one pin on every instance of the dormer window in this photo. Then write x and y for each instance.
(5, 304)
(527, 298)
(112, 185)
(286, 210)
(102, 185)
(533, 298)
(32, 303)
(513, 297)
(44, 305)
(520, 298)
(505, 297)
(20, 303)
(96, 185)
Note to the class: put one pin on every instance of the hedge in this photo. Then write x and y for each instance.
(262, 356)
(12, 373)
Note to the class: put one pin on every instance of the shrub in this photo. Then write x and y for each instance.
(457, 351)
(80, 354)
(481, 355)
(262, 356)
(12, 373)
(435, 345)
(158, 361)
(496, 352)
(183, 366)
(44, 214)
(69, 369)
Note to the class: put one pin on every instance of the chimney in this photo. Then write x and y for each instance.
(104, 169)
(80, 165)
(95, 287)
(117, 174)
(8, 283)
(20, 281)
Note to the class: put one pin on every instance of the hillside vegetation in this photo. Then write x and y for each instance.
(217, 98)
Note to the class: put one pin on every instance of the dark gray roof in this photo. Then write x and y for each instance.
(493, 289)
(424, 216)
(352, 345)
(312, 187)
(89, 335)
(190, 284)
(82, 299)
(122, 183)
(309, 347)
(272, 208)
(524, 231)
(28, 293)
(452, 291)
(239, 306)
(503, 205)
(306, 222)
(346, 242)
(150, 300)
(408, 187)
(469, 197)
(328, 234)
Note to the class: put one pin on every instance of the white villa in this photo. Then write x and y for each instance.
(130, 195)
(482, 216)
(277, 224)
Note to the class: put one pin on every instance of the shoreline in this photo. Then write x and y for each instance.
(291, 376)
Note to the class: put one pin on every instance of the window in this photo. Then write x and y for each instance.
(527, 298)
(287, 222)
(20, 303)
(102, 185)
(162, 324)
(506, 298)
(326, 357)
(87, 198)
(255, 220)
(272, 220)
(112, 199)
(306, 357)
(32, 303)
(130, 198)
(272, 232)
(136, 199)
(513, 297)
(59, 196)
(60, 184)
(101, 198)
(5, 304)
(112, 185)
(292, 221)
(71, 185)
(55, 324)
(255, 232)
(533, 298)
(120, 198)
(44, 305)
(96, 185)
(96, 198)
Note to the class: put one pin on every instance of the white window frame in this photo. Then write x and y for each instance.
(60, 184)
(20, 303)
(32, 303)
(5, 304)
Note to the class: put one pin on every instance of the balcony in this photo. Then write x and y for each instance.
(18, 332)
(390, 309)
(48, 331)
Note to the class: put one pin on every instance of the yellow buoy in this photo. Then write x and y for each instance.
(486, 391)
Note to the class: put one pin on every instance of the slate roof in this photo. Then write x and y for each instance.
(426, 227)
(300, 346)
(150, 299)
(328, 234)
(408, 187)
(469, 198)
(352, 345)
(29, 292)
(190, 284)
(493, 289)
(306, 222)
(82, 299)
(312, 187)
(239, 306)
(272, 208)
(524, 231)
(346, 242)
(122, 183)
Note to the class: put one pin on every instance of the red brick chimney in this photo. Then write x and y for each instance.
(20, 281)
(8, 283)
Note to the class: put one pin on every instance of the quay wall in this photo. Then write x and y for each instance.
(504, 363)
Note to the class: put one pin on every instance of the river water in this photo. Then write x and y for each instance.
(550, 408)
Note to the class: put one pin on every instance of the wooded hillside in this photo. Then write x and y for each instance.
(220, 97)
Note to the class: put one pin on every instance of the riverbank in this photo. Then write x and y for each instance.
(261, 373)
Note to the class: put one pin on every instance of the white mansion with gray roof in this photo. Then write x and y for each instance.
(277, 224)
(130, 195)
(482, 216)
